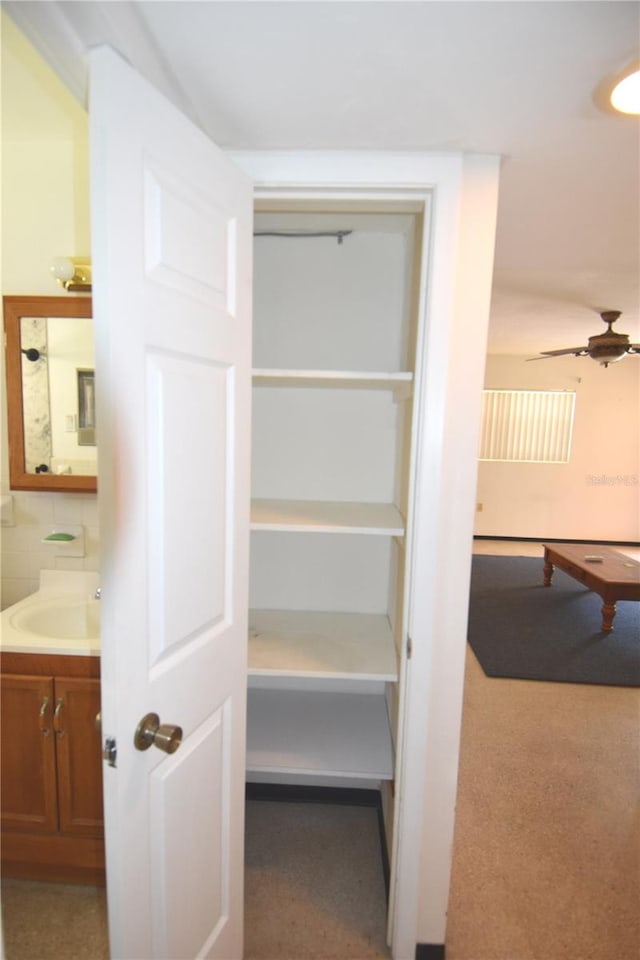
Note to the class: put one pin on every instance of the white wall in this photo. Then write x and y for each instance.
(444, 524)
(596, 496)
(45, 212)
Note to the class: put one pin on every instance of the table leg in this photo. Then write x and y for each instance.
(608, 613)
(548, 572)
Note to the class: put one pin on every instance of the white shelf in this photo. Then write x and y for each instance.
(400, 381)
(314, 516)
(292, 643)
(328, 734)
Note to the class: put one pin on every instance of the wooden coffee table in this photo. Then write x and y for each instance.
(607, 572)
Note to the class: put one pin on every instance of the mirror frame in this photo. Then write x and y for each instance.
(16, 307)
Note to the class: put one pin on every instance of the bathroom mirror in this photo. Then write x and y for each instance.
(50, 393)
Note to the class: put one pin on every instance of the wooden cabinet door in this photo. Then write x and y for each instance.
(77, 702)
(28, 761)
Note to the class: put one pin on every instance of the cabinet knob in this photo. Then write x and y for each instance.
(150, 732)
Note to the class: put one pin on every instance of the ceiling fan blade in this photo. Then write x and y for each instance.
(576, 351)
(633, 348)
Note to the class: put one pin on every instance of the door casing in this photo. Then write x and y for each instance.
(459, 196)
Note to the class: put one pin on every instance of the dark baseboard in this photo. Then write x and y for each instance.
(347, 796)
(430, 951)
(603, 543)
(299, 793)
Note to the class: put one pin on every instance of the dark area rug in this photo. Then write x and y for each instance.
(518, 628)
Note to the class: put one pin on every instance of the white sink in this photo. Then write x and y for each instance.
(62, 617)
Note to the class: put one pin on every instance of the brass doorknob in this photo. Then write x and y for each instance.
(150, 732)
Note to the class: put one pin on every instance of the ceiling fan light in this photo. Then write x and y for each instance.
(625, 97)
(606, 354)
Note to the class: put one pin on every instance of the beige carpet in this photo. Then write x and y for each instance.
(53, 921)
(314, 886)
(547, 841)
(314, 890)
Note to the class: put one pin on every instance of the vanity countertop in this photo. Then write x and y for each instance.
(61, 618)
(14, 642)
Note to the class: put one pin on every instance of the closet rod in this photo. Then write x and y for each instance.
(304, 235)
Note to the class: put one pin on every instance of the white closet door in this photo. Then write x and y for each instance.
(172, 266)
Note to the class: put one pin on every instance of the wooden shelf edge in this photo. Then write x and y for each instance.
(284, 377)
(283, 770)
(311, 516)
(400, 383)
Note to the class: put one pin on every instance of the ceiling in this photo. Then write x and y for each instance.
(525, 80)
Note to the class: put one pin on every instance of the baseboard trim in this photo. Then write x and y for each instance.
(430, 951)
(603, 543)
(347, 796)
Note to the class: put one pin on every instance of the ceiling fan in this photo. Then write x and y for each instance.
(605, 348)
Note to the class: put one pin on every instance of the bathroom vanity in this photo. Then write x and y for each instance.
(51, 767)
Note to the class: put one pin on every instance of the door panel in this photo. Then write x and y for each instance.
(173, 208)
(194, 788)
(171, 246)
(185, 396)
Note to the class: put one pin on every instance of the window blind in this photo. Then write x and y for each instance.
(534, 426)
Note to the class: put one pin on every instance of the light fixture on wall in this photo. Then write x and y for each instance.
(72, 273)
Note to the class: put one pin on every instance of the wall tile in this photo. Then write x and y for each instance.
(16, 565)
(90, 511)
(16, 539)
(33, 507)
(69, 563)
(68, 508)
(40, 560)
(23, 553)
(92, 548)
(15, 590)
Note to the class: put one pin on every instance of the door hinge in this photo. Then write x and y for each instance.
(110, 751)
(409, 647)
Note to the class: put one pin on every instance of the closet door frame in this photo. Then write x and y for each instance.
(458, 194)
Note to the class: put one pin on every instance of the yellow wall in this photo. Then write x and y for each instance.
(45, 213)
(45, 169)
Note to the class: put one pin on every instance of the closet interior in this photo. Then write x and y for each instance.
(334, 347)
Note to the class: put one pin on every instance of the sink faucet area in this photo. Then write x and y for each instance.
(62, 616)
